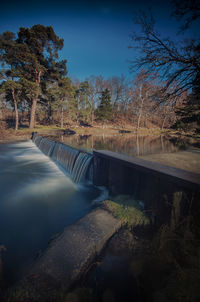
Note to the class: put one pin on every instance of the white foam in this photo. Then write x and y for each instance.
(102, 196)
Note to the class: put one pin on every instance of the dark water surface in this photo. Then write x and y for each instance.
(131, 145)
(37, 200)
(170, 151)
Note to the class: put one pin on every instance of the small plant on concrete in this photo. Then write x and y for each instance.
(128, 210)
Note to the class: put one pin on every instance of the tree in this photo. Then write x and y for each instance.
(60, 95)
(165, 106)
(189, 114)
(12, 92)
(142, 90)
(84, 102)
(104, 110)
(42, 65)
(34, 58)
(9, 52)
(178, 63)
(187, 10)
(93, 94)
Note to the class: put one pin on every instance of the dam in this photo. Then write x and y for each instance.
(156, 185)
(52, 189)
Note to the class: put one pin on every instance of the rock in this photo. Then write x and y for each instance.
(69, 132)
(124, 131)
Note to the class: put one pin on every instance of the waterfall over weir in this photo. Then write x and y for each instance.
(75, 162)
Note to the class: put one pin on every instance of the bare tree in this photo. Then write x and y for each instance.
(177, 63)
(186, 10)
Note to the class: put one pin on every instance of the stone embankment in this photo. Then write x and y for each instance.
(67, 258)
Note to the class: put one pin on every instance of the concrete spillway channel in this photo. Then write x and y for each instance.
(66, 258)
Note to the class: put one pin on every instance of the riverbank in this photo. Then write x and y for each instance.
(8, 135)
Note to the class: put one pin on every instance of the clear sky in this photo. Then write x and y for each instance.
(96, 33)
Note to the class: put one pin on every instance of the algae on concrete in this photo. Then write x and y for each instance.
(128, 210)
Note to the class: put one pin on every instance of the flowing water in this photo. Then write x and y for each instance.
(37, 200)
(66, 156)
(75, 162)
(80, 167)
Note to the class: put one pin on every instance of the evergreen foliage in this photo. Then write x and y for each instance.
(104, 111)
(32, 57)
(83, 100)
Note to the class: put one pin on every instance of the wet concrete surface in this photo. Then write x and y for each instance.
(67, 257)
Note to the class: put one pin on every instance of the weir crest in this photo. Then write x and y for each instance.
(75, 162)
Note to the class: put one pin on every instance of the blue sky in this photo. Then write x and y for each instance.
(96, 33)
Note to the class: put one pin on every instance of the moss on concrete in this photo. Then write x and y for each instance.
(128, 210)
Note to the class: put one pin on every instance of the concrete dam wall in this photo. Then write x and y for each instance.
(160, 188)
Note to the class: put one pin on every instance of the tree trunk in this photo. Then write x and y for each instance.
(61, 118)
(92, 112)
(163, 123)
(16, 110)
(139, 118)
(92, 117)
(141, 107)
(34, 103)
(32, 117)
(49, 118)
(1, 114)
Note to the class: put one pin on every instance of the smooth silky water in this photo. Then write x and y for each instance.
(37, 200)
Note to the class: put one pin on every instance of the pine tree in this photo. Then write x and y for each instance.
(32, 58)
(104, 111)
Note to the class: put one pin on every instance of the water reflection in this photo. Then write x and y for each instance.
(124, 144)
(161, 149)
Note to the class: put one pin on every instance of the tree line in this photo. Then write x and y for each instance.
(164, 92)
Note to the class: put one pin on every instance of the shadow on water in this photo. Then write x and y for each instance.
(37, 200)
